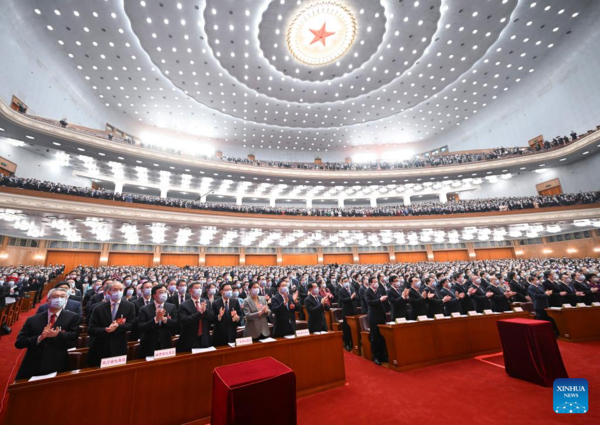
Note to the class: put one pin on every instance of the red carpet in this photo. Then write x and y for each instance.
(11, 359)
(467, 391)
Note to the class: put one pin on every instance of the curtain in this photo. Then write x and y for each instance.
(411, 257)
(380, 257)
(180, 260)
(338, 258)
(495, 254)
(458, 255)
(299, 259)
(261, 260)
(129, 259)
(222, 260)
(72, 259)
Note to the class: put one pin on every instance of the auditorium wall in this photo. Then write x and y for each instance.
(31, 165)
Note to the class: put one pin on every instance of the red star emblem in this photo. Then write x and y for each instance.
(321, 35)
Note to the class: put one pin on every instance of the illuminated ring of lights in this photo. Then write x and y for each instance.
(345, 19)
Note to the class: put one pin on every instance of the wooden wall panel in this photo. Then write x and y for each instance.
(299, 259)
(180, 260)
(338, 258)
(219, 260)
(410, 257)
(456, 255)
(494, 253)
(380, 257)
(72, 259)
(261, 260)
(130, 259)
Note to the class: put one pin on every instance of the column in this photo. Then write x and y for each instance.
(443, 197)
(39, 256)
(118, 187)
(355, 257)
(340, 202)
(272, 202)
(373, 202)
(429, 253)
(202, 256)
(319, 255)
(156, 260)
(406, 199)
(279, 256)
(309, 203)
(392, 254)
(242, 256)
(238, 200)
(104, 254)
(164, 192)
(471, 249)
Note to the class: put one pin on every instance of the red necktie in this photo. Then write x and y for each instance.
(200, 322)
(52, 320)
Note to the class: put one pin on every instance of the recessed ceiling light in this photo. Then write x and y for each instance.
(586, 152)
(1, 129)
(121, 158)
(101, 154)
(30, 137)
(562, 159)
(138, 161)
(81, 149)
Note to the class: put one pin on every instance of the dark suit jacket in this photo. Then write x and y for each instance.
(175, 299)
(571, 297)
(480, 300)
(72, 306)
(555, 299)
(364, 307)
(588, 298)
(140, 302)
(417, 303)
(499, 302)
(538, 297)
(435, 305)
(285, 318)
(189, 318)
(102, 343)
(316, 315)
(520, 290)
(376, 314)
(155, 336)
(225, 329)
(345, 301)
(452, 306)
(398, 305)
(466, 303)
(51, 354)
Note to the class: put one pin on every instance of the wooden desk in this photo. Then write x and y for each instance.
(182, 385)
(577, 323)
(420, 344)
(353, 323)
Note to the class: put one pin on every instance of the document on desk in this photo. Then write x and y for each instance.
(203, 350)
(290, 336)
(40, 377)
(267, 340)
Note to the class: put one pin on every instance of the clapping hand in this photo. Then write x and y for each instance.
(384, 298)
(221, 312)
(563, 293)
(405, 293)
(324, 300)
(202, 306)
(489, 294)
(549, 292)
(113, 326)
(234, 316)
(353, 295)
(295, 297)
(430, 295)
(446, 298)
(160, 314)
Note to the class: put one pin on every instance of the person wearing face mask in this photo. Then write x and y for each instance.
(461, 291)
(539, 297)
(551, 283)
(195, 317)
(93, 290)
(210, 292)
(256, 311)
(435, 302)
(145, 299)
(156, 322)
(500, 301)
(453, 303)
(571, 294)
(227, 313)
(479, 295)
(417, 299)
(316, 305)
(582, 286)
(594, 283)
(181, 295)
(376, 316)
(398, 299)
(284, 308)
(347, 300)
(109, 324)
(517, 286)
(302, 294)
(47, 338)
(172, 287)
(71, 305)
(97, 298)
(129, 294)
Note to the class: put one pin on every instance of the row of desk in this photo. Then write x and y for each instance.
(173, 390)
(577, 323)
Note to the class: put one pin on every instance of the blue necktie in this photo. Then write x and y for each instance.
(115, 307)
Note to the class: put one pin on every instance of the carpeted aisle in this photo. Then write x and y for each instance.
(466, 391)
(11, 359)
